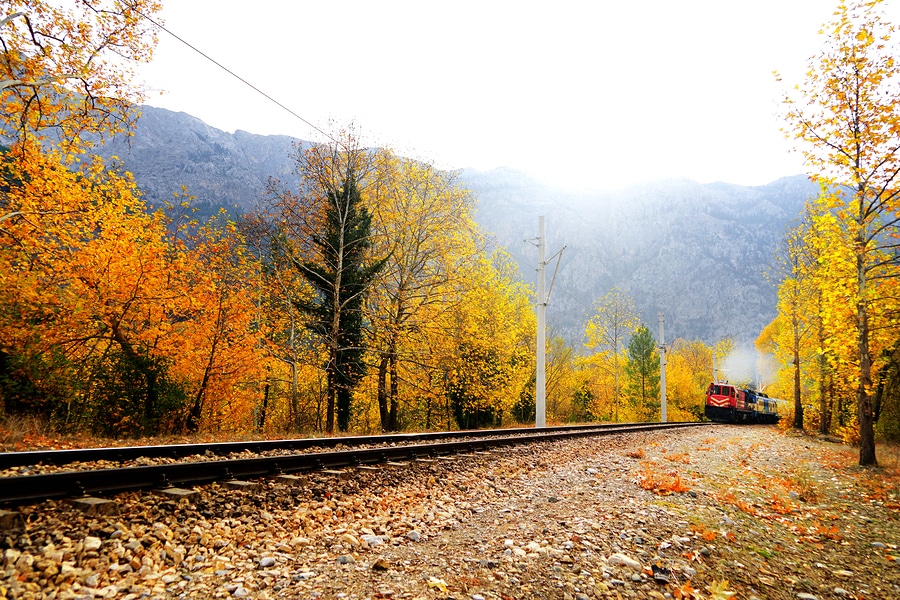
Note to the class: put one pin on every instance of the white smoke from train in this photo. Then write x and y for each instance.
(745, 365)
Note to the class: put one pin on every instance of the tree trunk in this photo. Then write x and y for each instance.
(145, 367)
(616, 385)
(265, 406)
(865, 412)
(798, 404)
(824, 413)
(344, 397)
(332, 392)
(382, 393)
(395, 426)
(193, 422)
(295, 408)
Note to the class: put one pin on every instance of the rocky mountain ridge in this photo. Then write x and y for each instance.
(696, 252)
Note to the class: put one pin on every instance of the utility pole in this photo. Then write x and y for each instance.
(662, 366)
(540, 398)
(543, 298)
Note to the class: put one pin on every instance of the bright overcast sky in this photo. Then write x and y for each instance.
(592, 93)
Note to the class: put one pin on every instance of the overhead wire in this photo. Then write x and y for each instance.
(162, 27)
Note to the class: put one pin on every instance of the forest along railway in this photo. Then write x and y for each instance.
(85, 478)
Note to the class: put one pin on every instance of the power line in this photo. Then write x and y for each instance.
(233, 74)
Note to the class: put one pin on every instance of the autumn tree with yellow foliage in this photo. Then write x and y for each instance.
(793, 330)
(86, 281)
(68, 70)
(688, 373)
(423, 222)
(487, 370)
(110, 320)
(845, 121)
(614, 319)
(69, 289)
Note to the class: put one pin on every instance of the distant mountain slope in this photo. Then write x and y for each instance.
(695, 252)
(170, 150)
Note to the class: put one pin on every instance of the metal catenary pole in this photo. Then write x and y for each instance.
(662, 366)
(540, 399)
(543, 298)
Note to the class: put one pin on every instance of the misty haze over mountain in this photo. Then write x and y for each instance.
(697, 253)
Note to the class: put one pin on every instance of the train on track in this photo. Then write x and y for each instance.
(727, 403)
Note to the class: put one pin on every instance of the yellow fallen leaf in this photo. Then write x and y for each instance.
(718, 590)
(434, 582)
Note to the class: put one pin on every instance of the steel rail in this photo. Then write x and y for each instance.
(10, 460)
(29, 489)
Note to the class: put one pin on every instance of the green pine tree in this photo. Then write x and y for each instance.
(341, 278)
(642, 374)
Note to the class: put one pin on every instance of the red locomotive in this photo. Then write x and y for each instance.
(727, 403)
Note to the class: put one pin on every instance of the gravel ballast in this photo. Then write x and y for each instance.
(712, 512)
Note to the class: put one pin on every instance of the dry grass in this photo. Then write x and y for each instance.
(17, 432)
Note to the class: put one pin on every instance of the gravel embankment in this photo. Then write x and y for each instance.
(656, 515)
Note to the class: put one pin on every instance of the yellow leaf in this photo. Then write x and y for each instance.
(434, 582)
(718, 590)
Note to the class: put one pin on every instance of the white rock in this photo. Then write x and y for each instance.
(300, 541)
(91, 543)
(627, 561)
(109, 591)
(805, 596)
(413, 536)
(373, 540)
(266, 562)
(349, 539)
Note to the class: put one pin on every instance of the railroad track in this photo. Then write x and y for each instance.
(285, 457)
